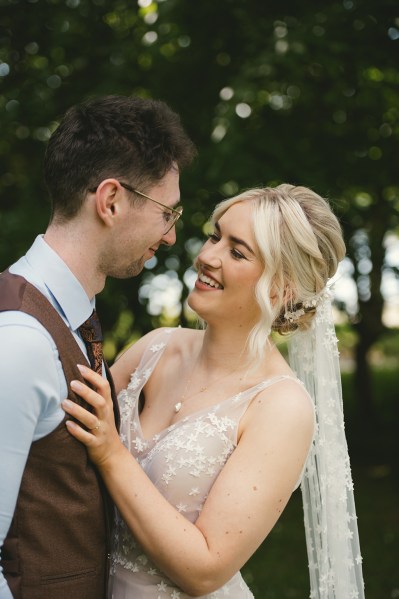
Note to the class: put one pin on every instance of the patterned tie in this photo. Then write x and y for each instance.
(93, 337)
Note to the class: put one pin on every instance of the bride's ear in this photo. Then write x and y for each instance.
(287, 296)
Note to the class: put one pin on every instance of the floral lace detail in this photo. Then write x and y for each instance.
(327, 487)
(183, 461)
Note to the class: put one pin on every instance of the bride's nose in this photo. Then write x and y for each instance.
(210, 257)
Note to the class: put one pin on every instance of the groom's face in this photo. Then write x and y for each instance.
(143, 228)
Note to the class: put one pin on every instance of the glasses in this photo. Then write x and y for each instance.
(170, 215)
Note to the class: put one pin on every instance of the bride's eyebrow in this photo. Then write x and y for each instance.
(235, 240)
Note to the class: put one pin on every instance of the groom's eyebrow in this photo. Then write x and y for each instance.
(236, 240)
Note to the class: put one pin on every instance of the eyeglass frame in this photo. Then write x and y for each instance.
(176, 212)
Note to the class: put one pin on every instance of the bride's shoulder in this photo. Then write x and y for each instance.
(129, 359)
(181, 342)
(185, 336)
(177, 341)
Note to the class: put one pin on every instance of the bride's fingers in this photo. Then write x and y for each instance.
(89, 420)
(85, 437)
(96, 380)
(91, 396)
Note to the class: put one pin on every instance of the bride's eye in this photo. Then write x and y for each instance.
(213, 237)
(237, 255)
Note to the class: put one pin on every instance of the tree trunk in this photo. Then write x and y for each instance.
(363, 388)
(369, 325)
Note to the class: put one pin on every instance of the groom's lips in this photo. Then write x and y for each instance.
(152, 251)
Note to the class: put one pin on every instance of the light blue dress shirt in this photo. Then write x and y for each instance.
(32, 382)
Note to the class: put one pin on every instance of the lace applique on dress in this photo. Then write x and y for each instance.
(183, 462)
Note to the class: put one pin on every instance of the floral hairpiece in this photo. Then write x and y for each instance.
(294, 315)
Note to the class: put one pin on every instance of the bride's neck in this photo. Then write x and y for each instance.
(224, 351)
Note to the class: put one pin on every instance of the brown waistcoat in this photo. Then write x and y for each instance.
(58, 543)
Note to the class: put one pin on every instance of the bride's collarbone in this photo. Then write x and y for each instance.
(160, 404)
(163, 406)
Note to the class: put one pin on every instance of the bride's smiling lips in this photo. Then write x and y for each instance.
(207, 282)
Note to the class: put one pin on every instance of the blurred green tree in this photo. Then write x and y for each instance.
(303, 93)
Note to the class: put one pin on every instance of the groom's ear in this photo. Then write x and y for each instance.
(108, 198)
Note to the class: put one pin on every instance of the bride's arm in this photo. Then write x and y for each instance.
(246, 499)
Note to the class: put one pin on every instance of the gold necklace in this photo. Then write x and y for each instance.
(183, 398)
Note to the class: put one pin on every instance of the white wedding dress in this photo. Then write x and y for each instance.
(183, 462)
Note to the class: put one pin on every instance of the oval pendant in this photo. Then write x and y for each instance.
(178, 406)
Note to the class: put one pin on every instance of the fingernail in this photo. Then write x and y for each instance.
(76, 385)
(81, 367)
(70, 424)
(67, 403)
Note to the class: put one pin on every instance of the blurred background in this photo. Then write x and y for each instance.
(299, 92)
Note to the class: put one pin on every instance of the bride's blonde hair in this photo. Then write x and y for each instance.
(300, 243)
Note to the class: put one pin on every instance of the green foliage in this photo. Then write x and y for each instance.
(299, 92)
(302, 92)
(386, 350)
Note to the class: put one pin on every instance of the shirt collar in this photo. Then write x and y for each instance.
(60, 282)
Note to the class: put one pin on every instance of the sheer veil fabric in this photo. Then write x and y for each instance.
(335, 562)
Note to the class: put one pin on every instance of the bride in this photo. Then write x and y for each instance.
(217, 430)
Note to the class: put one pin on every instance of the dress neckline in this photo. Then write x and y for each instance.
(262, 384)
(160, 347)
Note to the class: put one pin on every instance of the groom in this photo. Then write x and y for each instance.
(112, 171)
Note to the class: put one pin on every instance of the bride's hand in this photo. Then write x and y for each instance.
(101, 437)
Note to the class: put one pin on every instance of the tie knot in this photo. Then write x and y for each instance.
(91, 329)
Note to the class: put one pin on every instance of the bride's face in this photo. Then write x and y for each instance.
(229, 267)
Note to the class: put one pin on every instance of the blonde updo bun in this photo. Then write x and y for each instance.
(300, 242)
